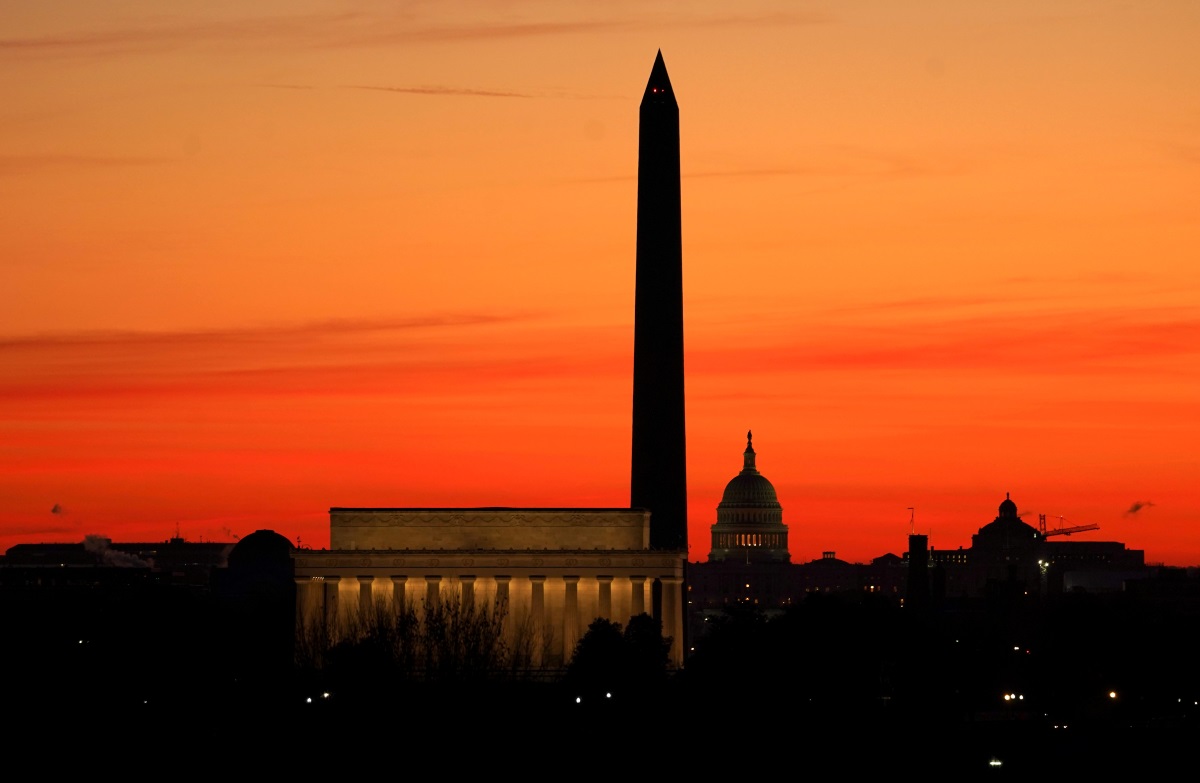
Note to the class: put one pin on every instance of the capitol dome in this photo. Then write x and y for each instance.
(749, 489)
(749, 518)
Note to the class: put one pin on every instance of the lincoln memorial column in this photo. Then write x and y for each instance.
(537, 607)
(364, 595)
(605, 596)
(537, 615)
(570, 616)
(502, 590)
(398, 593)
(303, 583)
(468, 591)
(332, 585)
(637, 600)
(432, 590)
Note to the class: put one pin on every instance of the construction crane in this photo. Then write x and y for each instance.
(1060, 530)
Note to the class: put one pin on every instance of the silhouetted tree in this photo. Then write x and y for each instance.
(449, 648)
(648, 652)
(598, 662)
(611, 664)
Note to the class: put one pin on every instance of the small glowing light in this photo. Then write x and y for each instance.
(1112, 694)
(308, 700)
(578, 700)
(608, 695)
(325, 695)
(995, 763)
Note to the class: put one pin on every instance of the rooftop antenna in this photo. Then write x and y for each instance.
(911, 516)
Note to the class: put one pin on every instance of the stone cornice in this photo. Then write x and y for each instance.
(488, 560)
(382, 517)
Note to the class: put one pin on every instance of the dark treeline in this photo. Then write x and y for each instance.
(1116, 671)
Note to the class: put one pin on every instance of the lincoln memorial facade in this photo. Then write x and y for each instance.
(554, 570)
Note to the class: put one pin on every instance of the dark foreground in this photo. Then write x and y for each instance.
(541, 730)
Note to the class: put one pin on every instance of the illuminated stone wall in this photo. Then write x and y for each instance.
(556, 570)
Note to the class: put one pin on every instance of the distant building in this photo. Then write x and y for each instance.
(173, 561)
(1010, 555)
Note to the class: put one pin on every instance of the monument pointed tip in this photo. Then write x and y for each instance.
(658, 88)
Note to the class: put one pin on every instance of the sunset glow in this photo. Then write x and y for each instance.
(260, 260)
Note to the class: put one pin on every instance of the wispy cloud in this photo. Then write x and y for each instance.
(463, 91)
(272, 333)
(24, 164)
(513, 30)
(925, 304)
(747, 173)
(31, 531)
(164, 37)
(1188, 153)
(840, 163)
(1057, 343)
(338, 357)
(329, 30)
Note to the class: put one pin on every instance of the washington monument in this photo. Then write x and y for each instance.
(659, 465)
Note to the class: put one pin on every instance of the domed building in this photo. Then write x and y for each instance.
(749, 525)
(1006, 552)
(1009, 556)
(1007, 531)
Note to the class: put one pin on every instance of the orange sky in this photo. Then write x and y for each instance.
(261, 259)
